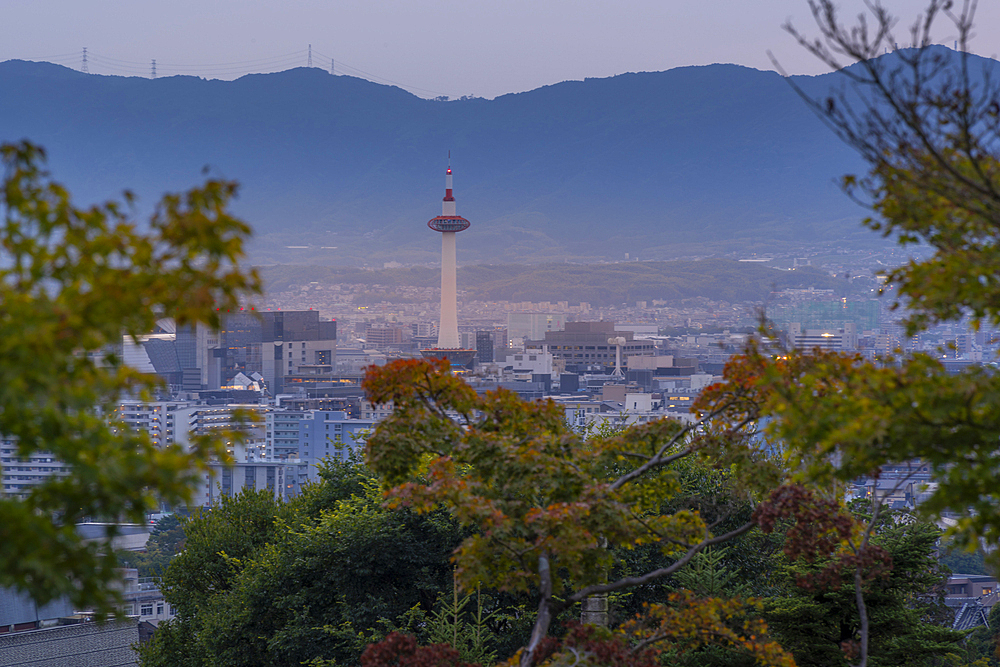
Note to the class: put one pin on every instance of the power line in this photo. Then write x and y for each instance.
(117, 65)
(277, 62)
(246, 64)
(61, 56)
(377, 79)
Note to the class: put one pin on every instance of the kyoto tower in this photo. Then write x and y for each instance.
(449, 223)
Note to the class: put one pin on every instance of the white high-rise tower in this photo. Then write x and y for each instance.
(449, 223)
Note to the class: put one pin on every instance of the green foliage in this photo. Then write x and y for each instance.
(925, 123)
(745, 566)
(317, 578)
(166, 540)
(220, 543)
(462, 627)
(840, 418)
(72, 282)
(710, 575)
(961, 561)
(355, 565)
(909, 623)
(174, 643)
(543, 501)
(519, 475)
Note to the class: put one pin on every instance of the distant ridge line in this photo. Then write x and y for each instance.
(85, 61)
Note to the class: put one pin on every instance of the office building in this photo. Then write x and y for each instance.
(584, 347)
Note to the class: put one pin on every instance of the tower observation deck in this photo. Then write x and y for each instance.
(449, 223)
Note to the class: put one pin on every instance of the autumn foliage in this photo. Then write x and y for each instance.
(400, 650)
(542, 501)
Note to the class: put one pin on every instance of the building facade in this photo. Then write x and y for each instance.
(584, 347)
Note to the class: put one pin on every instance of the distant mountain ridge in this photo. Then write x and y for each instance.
(692, 160)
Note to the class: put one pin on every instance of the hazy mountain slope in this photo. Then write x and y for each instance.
(695, 159)
(598, 284)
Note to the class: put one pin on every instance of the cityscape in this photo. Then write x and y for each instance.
(707, 376)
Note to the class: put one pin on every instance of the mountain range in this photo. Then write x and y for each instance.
(693, 161)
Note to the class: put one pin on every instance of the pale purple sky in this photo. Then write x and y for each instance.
(451, 47)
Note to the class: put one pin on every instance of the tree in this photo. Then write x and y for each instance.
(983, 643)
(543, 502)
(220, 542)
(166, 539)
(816, 616)
(314, 579)
(324, 589)
(72, 282)
(927, 121)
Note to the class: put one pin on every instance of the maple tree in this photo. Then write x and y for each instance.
(543, 501)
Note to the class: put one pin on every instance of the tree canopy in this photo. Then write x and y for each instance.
(927, 123)
(543, 502)
(73, 281)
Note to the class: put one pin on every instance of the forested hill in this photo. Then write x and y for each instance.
(694, 159)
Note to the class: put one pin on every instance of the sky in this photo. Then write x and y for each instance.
(484, 48)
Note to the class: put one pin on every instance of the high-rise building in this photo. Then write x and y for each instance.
(485, 347)
(296, 343)
(241, 344)
(383, 336)
(449, 223)
(844, 338)
(533, 325)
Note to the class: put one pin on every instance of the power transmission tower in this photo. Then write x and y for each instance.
(331, 66)
(85, 69)
(154, 68)
(309, 62)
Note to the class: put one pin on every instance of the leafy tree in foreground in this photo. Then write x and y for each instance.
(927, 121)
(72, 282)
(544, 502)
(314, 579)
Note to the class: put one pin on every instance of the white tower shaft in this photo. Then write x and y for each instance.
(448, 330)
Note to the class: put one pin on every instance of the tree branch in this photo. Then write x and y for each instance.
(627, 582)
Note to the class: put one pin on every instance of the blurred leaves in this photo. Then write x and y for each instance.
(73, 281)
